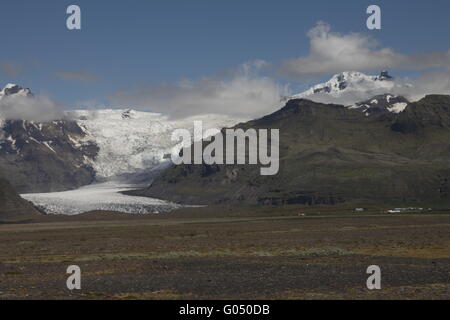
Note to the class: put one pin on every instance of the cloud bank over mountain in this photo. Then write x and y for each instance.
(17, 103)
(39, 108)
(332, 52)
(247, 94)
(244, 94)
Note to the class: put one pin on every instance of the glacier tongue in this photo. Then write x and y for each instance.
(104, 196)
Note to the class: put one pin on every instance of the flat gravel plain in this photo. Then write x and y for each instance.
(226, 253)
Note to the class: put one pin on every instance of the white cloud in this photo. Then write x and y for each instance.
(242, 94)
(432, 82)
(38, 108)
(332, 52)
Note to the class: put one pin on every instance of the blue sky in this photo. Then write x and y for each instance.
(126, 44)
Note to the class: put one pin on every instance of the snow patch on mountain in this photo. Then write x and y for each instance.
(397, 107)
(381, 104)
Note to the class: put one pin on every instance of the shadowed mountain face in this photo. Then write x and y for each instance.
(11, 204)
(331, 154)
(42, 156)
(45, 157)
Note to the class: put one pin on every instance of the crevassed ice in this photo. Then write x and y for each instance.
(130, 141)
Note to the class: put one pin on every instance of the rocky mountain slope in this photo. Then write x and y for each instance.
(45, 157)
(331, 154)
(381, 149)
(12, 205)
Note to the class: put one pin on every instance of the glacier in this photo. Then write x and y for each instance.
(132, 148)
(131, 141)
(104, 196)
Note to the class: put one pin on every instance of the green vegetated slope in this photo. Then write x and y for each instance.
(330, 154)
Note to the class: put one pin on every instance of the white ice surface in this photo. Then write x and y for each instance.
(102, 196)
(130, 141)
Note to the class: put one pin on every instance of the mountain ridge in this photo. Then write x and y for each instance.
(330, 154)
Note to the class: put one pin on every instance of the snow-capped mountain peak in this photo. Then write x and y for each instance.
(370, 94)
(350, 81)
(12, 89)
